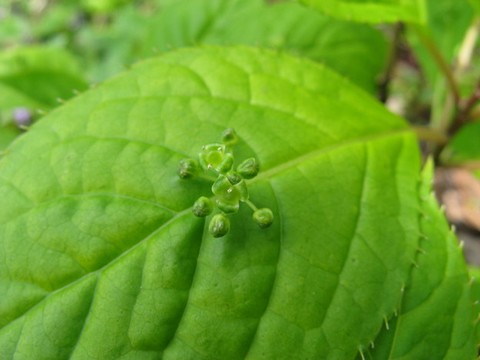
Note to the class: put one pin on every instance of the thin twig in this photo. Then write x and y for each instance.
(469, 165)
(464, 110)
(430, 135)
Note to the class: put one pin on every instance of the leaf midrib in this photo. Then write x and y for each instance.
(271, 172)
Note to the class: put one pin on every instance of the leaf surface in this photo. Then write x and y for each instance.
(102, 258)
(7, 134)
(464, 148)
(373, 11)
(475, 278)
(465, 145)
(438, 297)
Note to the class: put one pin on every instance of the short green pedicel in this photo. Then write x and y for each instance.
(229, 188)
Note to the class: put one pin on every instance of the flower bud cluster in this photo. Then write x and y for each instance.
(229, 189)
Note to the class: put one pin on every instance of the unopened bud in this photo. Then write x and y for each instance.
(249, 168)
(219, 225)
(263, 217)
(202, 207)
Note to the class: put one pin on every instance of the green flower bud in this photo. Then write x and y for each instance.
(187, 168)
(219, 225)
(263, 217)
(234, 178)
(226, 192)
(229, 137)
(248, 168)
(214, 157)
(226, 164)
(202, 207)
(221, 186)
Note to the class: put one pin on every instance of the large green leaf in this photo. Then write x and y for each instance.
(37, 77)
(374, 11)
(102, 257)
(437, 301)
(284, 26)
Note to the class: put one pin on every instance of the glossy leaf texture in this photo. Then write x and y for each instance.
(438, 299)
(286, 26)
(36, 77)
(373, 11)
(102, 257)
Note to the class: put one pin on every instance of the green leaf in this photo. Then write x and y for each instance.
(37, 77)
(373, 11)
(437, 303)
(475, 275)
(108, 50)
(284, 26)
(103, 258)
(12, 29)
(476, 5)
(7, 134)
(103, 6)
(464, 146)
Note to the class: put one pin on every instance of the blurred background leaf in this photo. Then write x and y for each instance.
(36, 77)
(8, 133)
(447, 23)
(374, 11)
(476, 5)
(464, 148)
(103, 5)
(356, 51)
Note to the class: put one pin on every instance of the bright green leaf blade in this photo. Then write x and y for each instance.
(373, 11)
(475, 275)
(103, 6)
(101, 246)
(12, 29)
(437, 303)
(7, 134)
(465, 145)
(284, 26)
(36, 78)
(476, 5)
